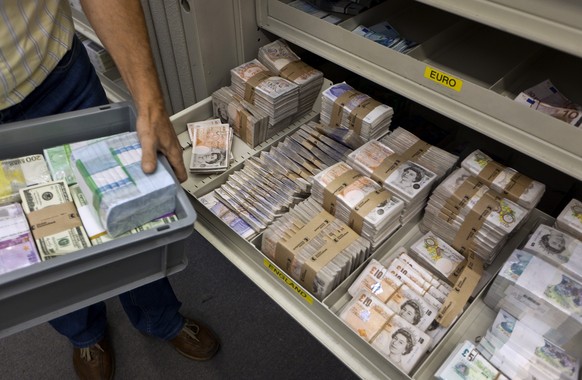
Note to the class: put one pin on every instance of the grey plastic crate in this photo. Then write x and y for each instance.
(49, 289)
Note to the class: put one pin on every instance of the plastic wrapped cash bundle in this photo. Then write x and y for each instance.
(17, 173)
(570, 219)
(17, 249)
(314, 248)
(470, 217)
(406, 179)
(466, 362)
(521, 353)
(359, 201)
(542, 297)
(211, 146)
(281, 60)
(110, 175)
(514, 186)
(344, 107)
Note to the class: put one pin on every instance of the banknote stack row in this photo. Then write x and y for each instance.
(347, 108)
(314, 248)
(522, 353)
(385, 34)
(310, 8)
(470, 216)
(466, 362)
(328, 10)
(541, 296)
(211, 146)
(570, 219)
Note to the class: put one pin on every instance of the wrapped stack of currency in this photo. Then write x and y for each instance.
(359, 201)
(541, 296)
(465, 362)
(470, 217)
(570, 219)
(346, 137)
(406, 179)
(17, 173)
(54, 219)
(347, 7)
(314, 248)
(110, 175)
(520, 352)
(232, 220)
(211, 146)
(311, 135)
(308, 7)
(523, 190)
(248, 121)
(17, 249)
(406, 144)
(557, 248)
(344, 107)
(384, 34)
(437, 255)
(281, 60)
(546, 98)
(394, 337)
(277, 96)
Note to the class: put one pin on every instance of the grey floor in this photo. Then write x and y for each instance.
(259, 340)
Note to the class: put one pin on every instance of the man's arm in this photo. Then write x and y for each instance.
(120, 25)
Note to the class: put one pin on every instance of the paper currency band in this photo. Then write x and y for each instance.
(53, 219)
(365, 206)
(294, 70)
(387, 167)
(356, 117)
(337, 185)
(253, 82)
(335, 243)
(516, 186)
(416, 151)
(338, 107)
(456, 202)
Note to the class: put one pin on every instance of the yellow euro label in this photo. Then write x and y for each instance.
(288, 281)
(443, 79)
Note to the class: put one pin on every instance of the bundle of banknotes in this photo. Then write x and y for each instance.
(546, 98)
(470, 217)
(211, 146)
(281, 60)
(521, 353)
(521, 189)
(541, 296)
(17, 248)
(248, 122)
(17, 173)
(229, 217)
(406, 144)
(347, 7)
(316, 249)
(310, 8)
(57, 228)
(344, 107)
(466, 362)
(276, 96)
(570, 219)
(110, 176)
(384, 34)
(359, 201)
(391, 334)
(402, 177)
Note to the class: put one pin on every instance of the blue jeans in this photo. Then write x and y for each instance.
(152, 308)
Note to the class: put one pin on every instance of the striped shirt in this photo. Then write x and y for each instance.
(34, 36)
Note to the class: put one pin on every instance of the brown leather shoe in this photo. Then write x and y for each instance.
(196, 341)
(94, 362)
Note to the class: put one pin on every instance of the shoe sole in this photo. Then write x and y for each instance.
(199, 358)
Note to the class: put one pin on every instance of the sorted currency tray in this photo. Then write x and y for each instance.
(52, 288)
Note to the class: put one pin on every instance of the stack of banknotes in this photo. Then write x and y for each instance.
(17, 173)
(110, 175)
(469, 216)
(398, 340)
(384, 34)
(281, 60)
(347, 7)
(248, 122)
(541, 296)
(276, 96)
(521, 353)
(523, 190)
(546, 98)
(229, 217)
(310, 8)
(344, 107)
(402, 177)
(434, 253)
(211, 146)
(570, 219)
(406, 144)
(466, 362)
(370, 210)
(17, 248)
(57, 228)
(316, 249)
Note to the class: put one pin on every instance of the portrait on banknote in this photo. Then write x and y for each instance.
(410, 178)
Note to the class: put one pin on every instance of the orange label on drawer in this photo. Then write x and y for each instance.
(443, 79)
(288, 281)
